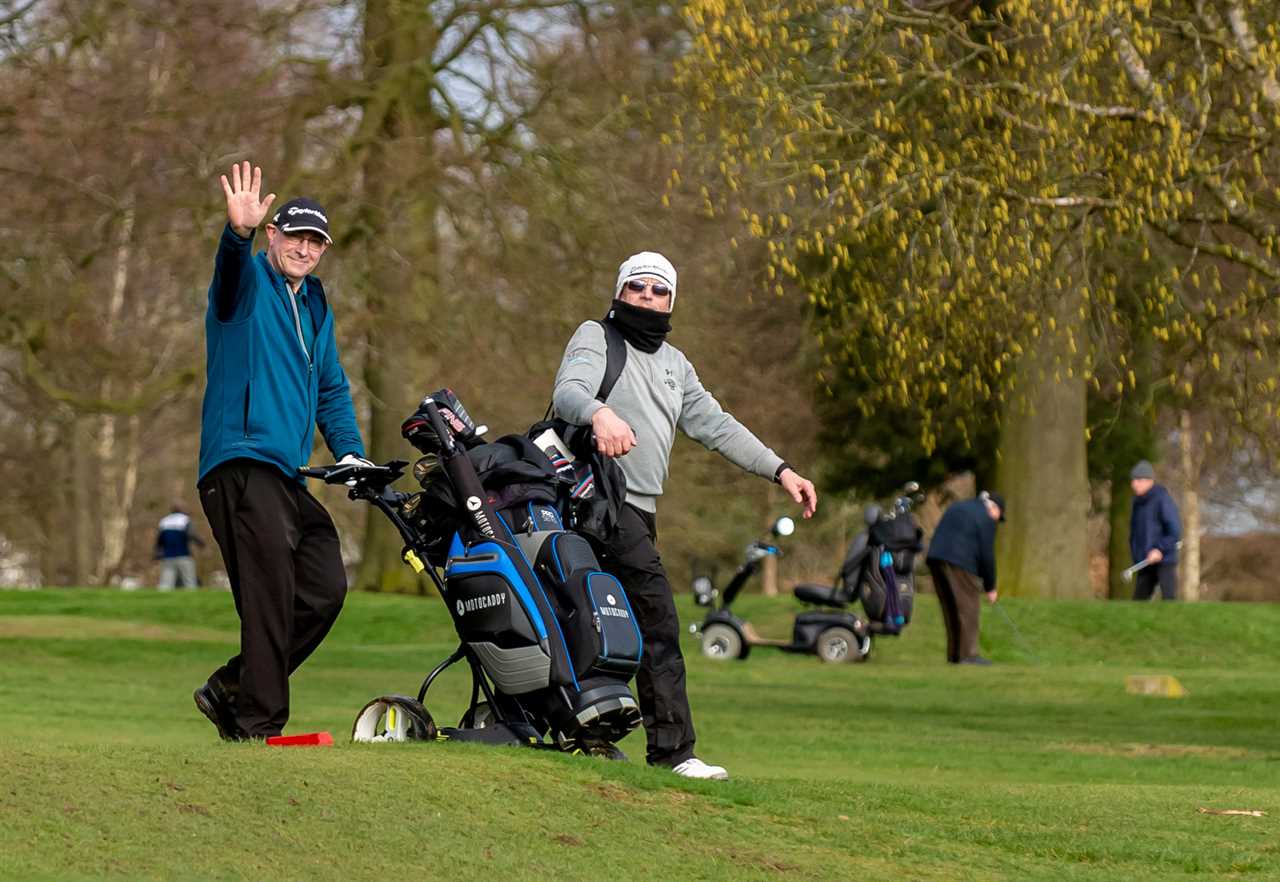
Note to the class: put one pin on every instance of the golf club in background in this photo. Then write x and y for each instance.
(1022, 643)
(1128, 574)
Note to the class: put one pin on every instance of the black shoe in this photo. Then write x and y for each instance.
(975, 660)
(215, 703)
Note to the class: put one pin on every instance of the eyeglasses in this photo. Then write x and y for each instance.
(659, 289)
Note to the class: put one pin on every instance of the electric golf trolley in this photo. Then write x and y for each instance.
(549, 638)
(877, 572)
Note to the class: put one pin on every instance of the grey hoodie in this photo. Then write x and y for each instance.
(656, 393)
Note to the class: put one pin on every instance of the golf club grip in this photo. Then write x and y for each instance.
(462, 476)
(447, 443)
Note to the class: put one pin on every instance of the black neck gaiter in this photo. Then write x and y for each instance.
(645, 329)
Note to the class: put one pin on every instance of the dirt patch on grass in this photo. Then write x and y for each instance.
(1158, 751)
(87, 628)
(613, 792)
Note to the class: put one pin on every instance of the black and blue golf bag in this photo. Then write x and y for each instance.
(879, 570)
(550, 638)
(553, 633)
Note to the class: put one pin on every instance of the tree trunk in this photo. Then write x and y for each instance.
(769, 576)
(1189, 557)
(83, 540)
(1118, 555)
(1042, 550)
(769, 572)
(400, 286)
(117, 470)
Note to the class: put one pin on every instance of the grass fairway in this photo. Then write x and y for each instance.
(900, 769)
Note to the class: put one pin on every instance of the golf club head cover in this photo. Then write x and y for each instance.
(417, 428)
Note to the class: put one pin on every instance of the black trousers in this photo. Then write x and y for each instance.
(632, 556)
(1146, 579)
(284, 562)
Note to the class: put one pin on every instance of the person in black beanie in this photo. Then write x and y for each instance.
(657, 392)
(1154, 534)
(962, 560)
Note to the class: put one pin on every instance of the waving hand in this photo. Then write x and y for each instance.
(244, 210)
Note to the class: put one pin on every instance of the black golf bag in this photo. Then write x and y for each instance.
(880, 571)
(550, 638)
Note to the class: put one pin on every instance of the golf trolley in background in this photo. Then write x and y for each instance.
(548, 637)
(832, 636)
(878, 572)
(879, 568)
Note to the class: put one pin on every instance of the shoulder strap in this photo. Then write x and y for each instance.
(615, 359)
(615, 348)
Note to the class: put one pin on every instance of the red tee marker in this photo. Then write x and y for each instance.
(309, 739)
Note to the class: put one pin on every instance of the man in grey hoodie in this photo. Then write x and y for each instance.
(657, 392)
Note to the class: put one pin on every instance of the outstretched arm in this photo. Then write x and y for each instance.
(244, 212)
(705, 421)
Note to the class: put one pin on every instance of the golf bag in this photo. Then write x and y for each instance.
(885, 571)
(550, 638)
(553, 633)
(879, 569)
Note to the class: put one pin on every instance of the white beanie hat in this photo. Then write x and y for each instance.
(647, 263)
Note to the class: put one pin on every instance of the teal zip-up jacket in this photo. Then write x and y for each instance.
(265, 394)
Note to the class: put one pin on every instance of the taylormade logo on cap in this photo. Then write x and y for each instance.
(297, 210)
(298, 215)
(647, 263)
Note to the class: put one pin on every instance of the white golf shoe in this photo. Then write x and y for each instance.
(696, 768)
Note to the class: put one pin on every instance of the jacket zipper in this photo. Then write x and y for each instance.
(297, 326)
(302, 344)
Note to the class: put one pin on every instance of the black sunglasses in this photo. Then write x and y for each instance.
(659, 289)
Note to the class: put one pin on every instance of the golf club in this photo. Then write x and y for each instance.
(1127, 575)
(1022, 643)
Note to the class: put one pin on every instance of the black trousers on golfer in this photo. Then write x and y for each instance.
(1146, 579)
(284, 562)
(632, 556)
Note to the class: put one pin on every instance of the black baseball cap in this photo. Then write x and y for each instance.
(299, 215)
(998, 500)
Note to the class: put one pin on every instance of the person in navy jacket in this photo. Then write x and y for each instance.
(173, 549)
(273, 376)
(1155, 531)
(962, 561)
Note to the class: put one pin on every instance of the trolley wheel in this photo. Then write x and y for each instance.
(721, 642)
(393, 718)
(842, 645)
(483, 716)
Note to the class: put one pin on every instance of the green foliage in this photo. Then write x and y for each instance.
(944, 178)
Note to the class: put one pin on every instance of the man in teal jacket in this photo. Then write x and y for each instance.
(273, 375)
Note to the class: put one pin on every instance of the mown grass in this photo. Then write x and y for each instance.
(1041, 767)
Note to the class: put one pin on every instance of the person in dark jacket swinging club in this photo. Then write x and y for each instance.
(657, 392)
(273, 375)
(1154, 531)
(962, 560)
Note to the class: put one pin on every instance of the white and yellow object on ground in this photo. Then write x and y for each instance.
(1163, 685)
